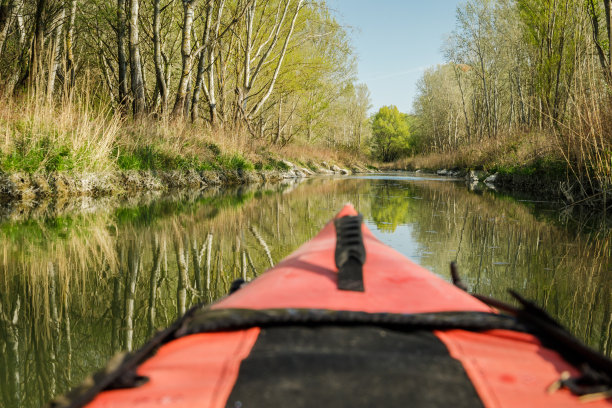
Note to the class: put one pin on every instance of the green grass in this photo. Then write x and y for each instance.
(234, 162)
(42, 155)
(542, 166)
(151, 158)
(271, 164)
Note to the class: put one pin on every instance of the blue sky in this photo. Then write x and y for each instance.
(395, 41)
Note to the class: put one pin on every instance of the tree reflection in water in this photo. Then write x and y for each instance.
(76, 289)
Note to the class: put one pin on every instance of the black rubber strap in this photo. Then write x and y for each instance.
(350, 253)
(215, 320)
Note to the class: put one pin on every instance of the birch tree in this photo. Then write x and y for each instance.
(160, 78)
(34, 73)
(257, 54)
(70, 63)
(187, 58)
(207, 62)
(56, 55)
(594, 10)
(137, 80)
(6, 18)
(121, 57)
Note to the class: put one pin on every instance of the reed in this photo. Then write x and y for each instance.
(82, 133)
(586, 144)
(509, 153)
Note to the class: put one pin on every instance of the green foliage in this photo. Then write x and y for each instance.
(301, 87)
(271, 164)
(234, 162)
(390, 134)
(151, 158)
(281, 165)
(392, 207)
(42, 155)
(541, 166)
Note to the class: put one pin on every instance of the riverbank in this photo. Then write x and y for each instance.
(531, 163)
(547, 186)
(544, 185)
(19, 186)
(76, 148)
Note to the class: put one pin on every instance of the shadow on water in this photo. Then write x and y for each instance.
(75, 288)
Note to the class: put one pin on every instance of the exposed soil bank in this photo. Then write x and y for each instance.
(23, 187)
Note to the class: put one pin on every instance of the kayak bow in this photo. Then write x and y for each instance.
(346, 321)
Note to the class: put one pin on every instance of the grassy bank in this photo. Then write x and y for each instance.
(530, 160)
(519, 154)
(76, 136)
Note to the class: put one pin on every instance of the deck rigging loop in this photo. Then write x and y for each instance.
(350, 253)
(595, 378)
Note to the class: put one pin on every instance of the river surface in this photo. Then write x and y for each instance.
(80, 285)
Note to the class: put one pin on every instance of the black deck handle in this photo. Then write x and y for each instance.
(350, 253)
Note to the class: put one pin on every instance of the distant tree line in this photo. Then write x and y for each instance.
(277, 69)
(523, 66)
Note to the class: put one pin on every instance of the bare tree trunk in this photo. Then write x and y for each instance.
(106, 71)
(246, 75)
(608, 7)
(221, 106)
(38, 41)
(70, 69)
(181, 94)
(137, 81)
(55, 59)
(202, 63)
(187, 105)
(121, 57)
(19, 67)
(6, 14)
(465, 114)
(157, 56)
(606, 63)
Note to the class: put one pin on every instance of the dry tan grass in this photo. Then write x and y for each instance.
(28, 122)
(89, 137)
(510, 151)
(586, 145)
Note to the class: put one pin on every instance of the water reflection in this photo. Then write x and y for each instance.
(75, 288)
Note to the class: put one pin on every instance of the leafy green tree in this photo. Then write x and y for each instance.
(390, 134)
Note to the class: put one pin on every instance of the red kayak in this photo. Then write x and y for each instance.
(346, 321)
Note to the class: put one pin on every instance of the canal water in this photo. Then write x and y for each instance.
(82, 282)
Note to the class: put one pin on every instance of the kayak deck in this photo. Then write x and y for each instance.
(308, 279)
(317, 345)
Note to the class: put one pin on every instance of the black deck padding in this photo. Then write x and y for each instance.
(350, 253)
(350, 367)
